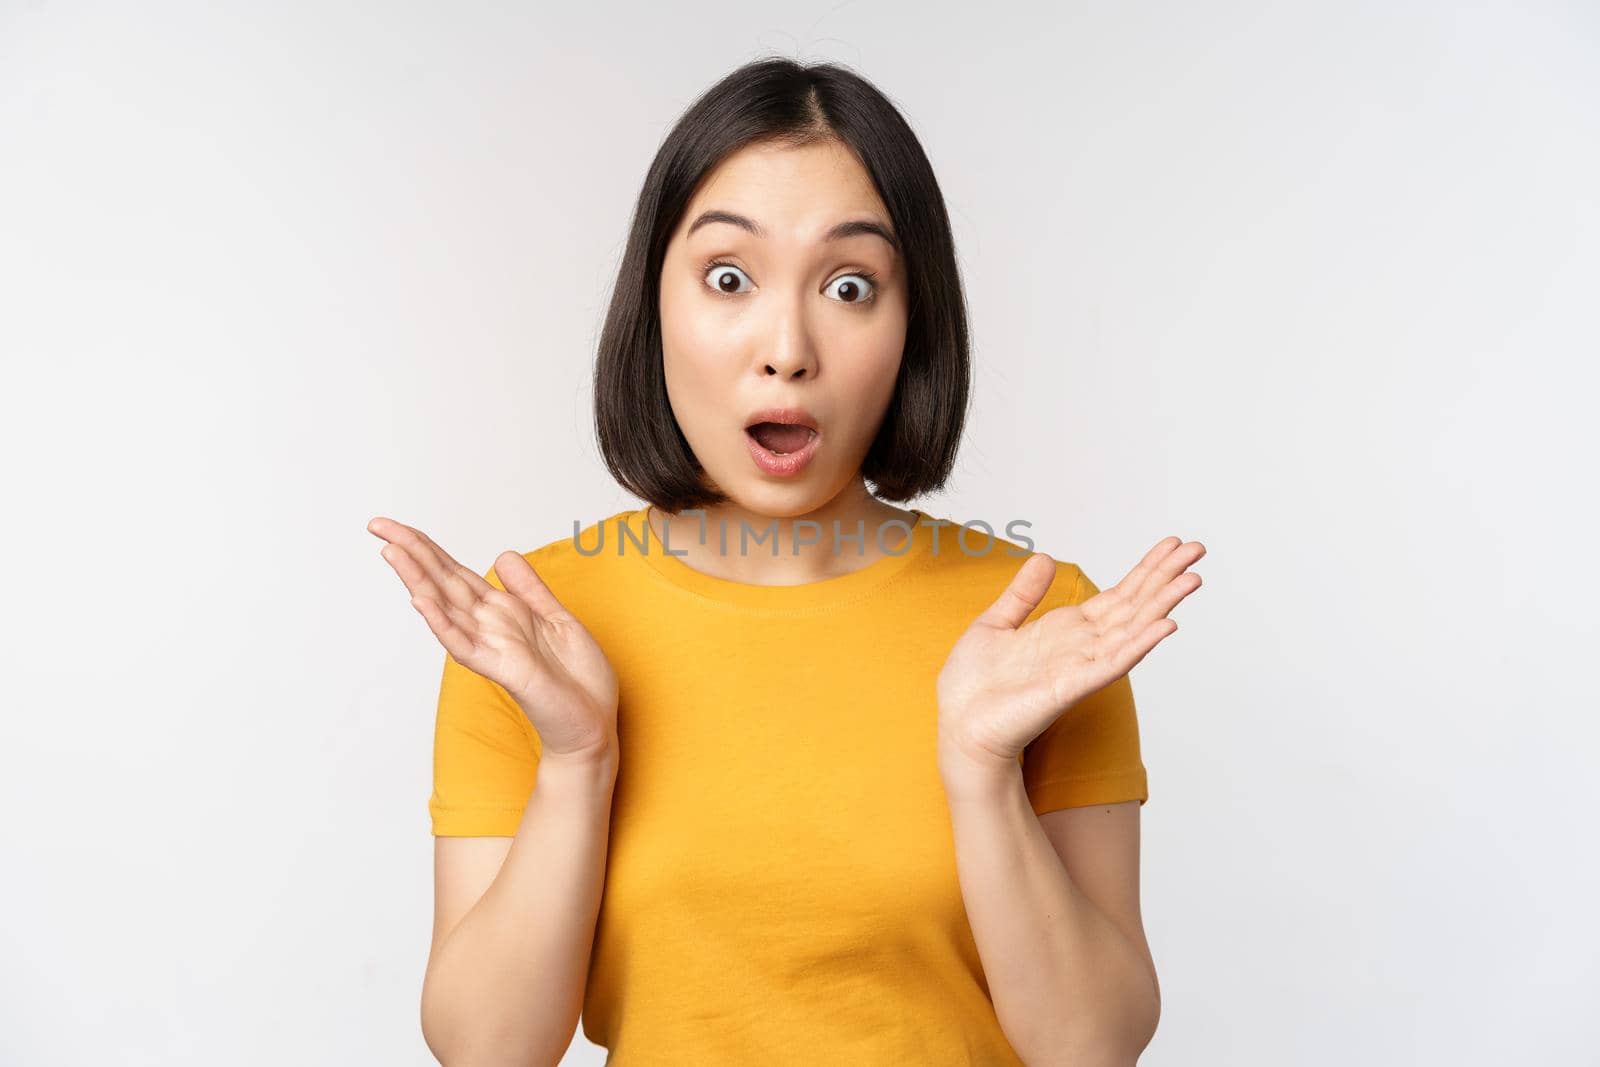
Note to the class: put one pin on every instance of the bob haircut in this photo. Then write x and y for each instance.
(778, 100)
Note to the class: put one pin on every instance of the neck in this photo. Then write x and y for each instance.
(804, 553)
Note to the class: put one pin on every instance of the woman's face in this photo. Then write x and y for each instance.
(785, 317)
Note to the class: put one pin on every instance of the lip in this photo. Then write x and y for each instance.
(787, 465)
(790, 463)
(792, 416)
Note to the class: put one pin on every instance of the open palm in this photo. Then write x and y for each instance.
(520, 637)
(1004, 683)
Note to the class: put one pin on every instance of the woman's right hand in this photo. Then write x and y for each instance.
(519, 637)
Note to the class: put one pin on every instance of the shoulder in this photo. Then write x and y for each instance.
(577, 551)
(977, 557)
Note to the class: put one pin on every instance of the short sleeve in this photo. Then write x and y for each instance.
(485, 753)
(1090, 755)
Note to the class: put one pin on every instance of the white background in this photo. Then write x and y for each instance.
(1315, 284)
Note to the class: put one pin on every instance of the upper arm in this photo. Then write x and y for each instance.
(1086, 781)
(1099, 847)
(485, 757)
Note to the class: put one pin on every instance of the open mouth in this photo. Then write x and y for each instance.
(781, 438)
(782, 449)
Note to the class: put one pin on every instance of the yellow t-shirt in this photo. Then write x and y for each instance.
(781, 875)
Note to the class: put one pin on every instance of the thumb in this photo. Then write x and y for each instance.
(521, 580)
(1028, 587)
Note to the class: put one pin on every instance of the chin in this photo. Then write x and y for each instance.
(780, 502)
(787, 501)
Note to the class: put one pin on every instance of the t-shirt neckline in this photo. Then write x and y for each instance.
(824, 594)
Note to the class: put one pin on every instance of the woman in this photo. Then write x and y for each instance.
(865, 792)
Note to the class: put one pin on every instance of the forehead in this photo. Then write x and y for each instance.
(790, 190)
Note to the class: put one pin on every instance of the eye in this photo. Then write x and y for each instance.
(856, 287)
(720, 276)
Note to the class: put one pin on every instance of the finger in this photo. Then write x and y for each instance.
(1167, 598)
(419, 582)
(1135, 578)
(1114, 606)
(1026, 589)
(1114, 655)
(475, 584)
(1133, 652)
(522, 581)
(456, 641)
(460, 586)
(1169, 567)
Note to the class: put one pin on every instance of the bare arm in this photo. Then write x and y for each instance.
(1060, 935)
(514, 918)
(1053, 903)
(514, 922)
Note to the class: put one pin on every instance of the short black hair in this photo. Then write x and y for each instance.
(781, 100)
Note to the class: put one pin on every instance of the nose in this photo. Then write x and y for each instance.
(790, 351)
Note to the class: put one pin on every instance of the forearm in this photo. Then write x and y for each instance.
(1067, 985)
(506, 985)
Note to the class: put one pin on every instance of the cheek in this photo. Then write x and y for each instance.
(694, 338)
(879, 365)
(882, 371)
(694, 349)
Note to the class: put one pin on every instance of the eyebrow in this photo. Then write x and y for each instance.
(851, 228)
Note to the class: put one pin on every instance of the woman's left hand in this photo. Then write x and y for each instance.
(1004, 683)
